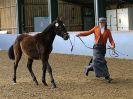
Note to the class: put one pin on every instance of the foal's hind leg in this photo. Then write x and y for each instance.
(29, 66)
(51, 75)
(17, 59)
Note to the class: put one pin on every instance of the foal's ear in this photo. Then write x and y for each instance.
(59, 18)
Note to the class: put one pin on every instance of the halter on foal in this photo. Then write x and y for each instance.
(37, 47)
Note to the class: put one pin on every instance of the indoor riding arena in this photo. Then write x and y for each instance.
(71, 52)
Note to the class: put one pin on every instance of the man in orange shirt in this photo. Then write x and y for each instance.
(99, 64)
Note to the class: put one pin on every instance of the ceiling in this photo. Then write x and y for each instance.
(82, 2)
(86, 2)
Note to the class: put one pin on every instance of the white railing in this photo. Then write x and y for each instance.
(123, 40)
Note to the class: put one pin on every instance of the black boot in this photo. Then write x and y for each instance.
(108, 79)
(87, 69)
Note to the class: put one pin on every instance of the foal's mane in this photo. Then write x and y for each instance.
(49, 27)
(48, 32)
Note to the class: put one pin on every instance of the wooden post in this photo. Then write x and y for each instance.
(19, 16)
(100, 9)
(52, 9)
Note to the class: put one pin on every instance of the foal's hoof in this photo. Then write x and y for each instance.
(54, 86)
(36, 82)
(45, 84)
(14, 83)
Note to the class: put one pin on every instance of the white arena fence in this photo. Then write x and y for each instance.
(123, 40)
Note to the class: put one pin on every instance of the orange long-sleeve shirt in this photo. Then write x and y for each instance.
(96, 30)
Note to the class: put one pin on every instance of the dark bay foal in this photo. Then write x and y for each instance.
(37, 47)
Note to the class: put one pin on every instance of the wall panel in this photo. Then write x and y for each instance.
(8, 15)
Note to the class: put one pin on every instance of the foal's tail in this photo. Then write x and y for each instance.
(11, 53)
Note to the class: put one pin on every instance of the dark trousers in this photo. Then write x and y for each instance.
(98, 62)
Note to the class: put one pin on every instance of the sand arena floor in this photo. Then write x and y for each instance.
(69, 77)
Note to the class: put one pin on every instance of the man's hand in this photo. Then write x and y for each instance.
(77, 35)
(112, 47)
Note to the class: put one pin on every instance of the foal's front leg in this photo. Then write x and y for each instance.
(44, 73)
(29, 66)
(51, 75)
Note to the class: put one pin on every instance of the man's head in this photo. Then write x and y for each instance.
(102, 21)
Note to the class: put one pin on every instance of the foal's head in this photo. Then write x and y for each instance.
(60, 29)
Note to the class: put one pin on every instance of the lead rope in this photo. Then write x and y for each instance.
(72, 44)
(84, 43)
(115, 53)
